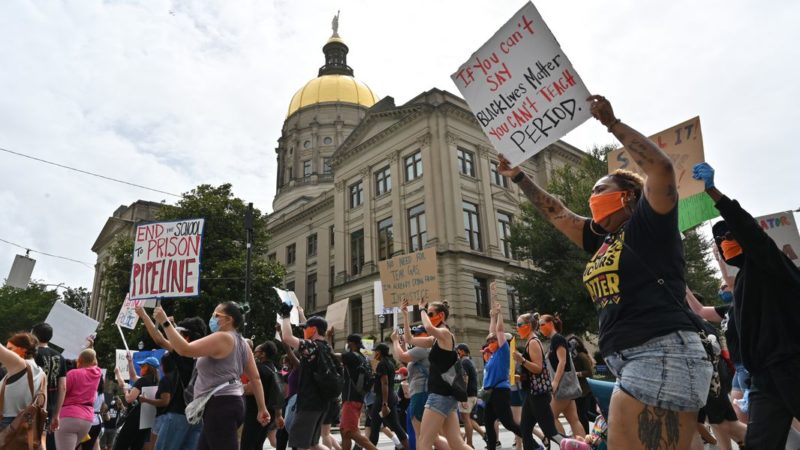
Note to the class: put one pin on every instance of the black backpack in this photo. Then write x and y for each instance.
(362, 377)
(328, 376)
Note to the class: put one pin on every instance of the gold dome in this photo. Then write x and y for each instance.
(332, 88)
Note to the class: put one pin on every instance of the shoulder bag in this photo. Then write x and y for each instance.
(25, 432)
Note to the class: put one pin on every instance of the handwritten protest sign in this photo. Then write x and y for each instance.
(166, 259)
(336, 314)
(683, 143)
(377, 301)
(127, 316)
(522, 88)
(782, 228)
(413, 276)
(70, 329)
(122, 363)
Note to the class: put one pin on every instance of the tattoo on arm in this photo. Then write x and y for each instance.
(549, 205)
(658, 428)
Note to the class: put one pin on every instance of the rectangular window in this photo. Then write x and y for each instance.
(471, 225)
(466, 162)
(332, 236)
(290, 254)
(307, 168)
(326, 166)
(356, 194)
(356, 252)
(311, 242)
(383, 181)
(513, 303)
(355, 316)
(417, 228)
(311, 292)
(498, 179)
(271, 257)
(413, 165)
(385, 239)
(504, 232)
(481, 296)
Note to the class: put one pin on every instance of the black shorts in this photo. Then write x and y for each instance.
(717, 410)
(306, 429)
(332, 414)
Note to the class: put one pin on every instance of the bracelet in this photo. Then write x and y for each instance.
(518, 177)
(166, 324)
(611, 125)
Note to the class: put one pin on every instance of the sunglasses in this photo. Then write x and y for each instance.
(522, 324)
(431, 313)
(218, 315)
(726, 237)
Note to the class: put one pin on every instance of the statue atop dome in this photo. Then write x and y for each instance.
(335, 24)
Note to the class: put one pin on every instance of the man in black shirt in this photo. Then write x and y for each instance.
(465, 408)
(55, 368)
(766, 312)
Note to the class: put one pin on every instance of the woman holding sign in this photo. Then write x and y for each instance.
(636, 280)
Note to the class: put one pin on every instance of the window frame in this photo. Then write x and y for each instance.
(383, 181)
(385, 249)
(356, 194)
(466, 162)
(420, 238)
(413, 166)
(472, 218)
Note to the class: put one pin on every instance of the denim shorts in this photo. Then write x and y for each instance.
(442, 404)
(669, 372)
(741, 379)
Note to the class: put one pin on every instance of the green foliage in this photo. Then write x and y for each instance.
(223, 267)
(23, 308)
(700, 274)
(557, 287)
(77, 298)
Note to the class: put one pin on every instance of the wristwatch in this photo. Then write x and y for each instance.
(166, 324)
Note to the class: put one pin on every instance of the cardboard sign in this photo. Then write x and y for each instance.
(522, 88)
(413, 276)
(336, 315)
(782, 228)
(127, 316)
(70, 329)
(166, 259)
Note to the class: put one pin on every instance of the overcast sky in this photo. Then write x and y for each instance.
(174, 94)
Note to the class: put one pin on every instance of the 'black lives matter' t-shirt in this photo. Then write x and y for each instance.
(622, 276)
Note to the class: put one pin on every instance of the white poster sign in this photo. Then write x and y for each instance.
(147, 416)
(377, 301)
(70, 329)
(166, 259)
(522, 88)
(289, 297)
(127, 316)
(782, 228)
(122, 363)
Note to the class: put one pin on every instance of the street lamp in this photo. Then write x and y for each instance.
(382, 320)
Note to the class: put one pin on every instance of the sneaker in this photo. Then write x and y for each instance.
(499, 445)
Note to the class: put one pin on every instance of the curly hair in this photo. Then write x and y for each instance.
(629, 181)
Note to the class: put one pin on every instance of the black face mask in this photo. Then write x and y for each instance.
(736, 261)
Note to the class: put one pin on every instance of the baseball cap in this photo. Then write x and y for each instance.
(355, 338)
(316, 321)
(402, 371)
(151, 361)
(419, 329)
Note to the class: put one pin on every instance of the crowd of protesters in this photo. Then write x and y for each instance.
(673, 372)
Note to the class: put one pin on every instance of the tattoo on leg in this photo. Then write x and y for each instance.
(658, 428)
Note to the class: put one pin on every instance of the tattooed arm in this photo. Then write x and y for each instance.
(565, 221)
(660, 187)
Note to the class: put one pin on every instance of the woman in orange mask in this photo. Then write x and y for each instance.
(441, 407)
(536, 382)
(17, 358)
(635, 278)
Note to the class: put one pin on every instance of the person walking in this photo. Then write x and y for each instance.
(559, 358)
(253, 433)
(55, 367)
(76, 410)
(465, 408)
(384, 410)
(583, 366)
(357, 380)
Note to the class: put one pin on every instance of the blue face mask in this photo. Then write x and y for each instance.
(213, 324)
(726, 296)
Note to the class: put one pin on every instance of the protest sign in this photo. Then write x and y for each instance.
(122, 363)
(289, 297)
(782, 228)
(522, 88)
(336, 315)
(377, 301)
(683, 143)
(147, 416)
(166, 259)
(70, 329)
(127, 316)
(413, 276)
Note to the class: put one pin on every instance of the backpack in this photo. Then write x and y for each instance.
(328, 375)
(25, 432)
(362, 377)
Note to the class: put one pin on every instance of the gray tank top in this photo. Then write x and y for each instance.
(213, 372)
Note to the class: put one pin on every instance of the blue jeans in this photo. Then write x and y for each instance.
(177, 434)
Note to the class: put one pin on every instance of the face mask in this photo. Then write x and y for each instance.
(486, 356)
(309, 332)
(604, 205)
(730, 249)
(213, 324)
(437, 319)
(524, 331)
(19, 351)
(726, 296)
(547, 328)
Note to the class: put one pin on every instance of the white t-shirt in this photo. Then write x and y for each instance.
(18, 394)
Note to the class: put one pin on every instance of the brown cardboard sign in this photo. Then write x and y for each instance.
(413, 276)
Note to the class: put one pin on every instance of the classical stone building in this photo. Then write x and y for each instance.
(361, 180)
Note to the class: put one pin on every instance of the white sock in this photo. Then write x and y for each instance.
(396, 441)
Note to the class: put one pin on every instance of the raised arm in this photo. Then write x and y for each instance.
(660, 187)
(132, 375)
(215, 345)
(706, 312)
(157, 337)
(399, 349)
(561, 217)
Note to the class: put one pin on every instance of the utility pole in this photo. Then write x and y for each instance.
(248, 227)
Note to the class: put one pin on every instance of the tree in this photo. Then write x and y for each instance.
(223, 267)
(700, 274)
(77, 298)
(23, 308)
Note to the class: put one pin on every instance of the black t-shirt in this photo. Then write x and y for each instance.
(622, 275)
(183, 376)
(351, 362)
(308, 397)
(472, 376)
(385, 367)
(165, 385)
(135, 407)
(113, 414)
(269, 383)
(55, 367)
(555, 342)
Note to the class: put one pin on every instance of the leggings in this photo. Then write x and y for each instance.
(536, 409)
(390, 421)
(70, 432)
(222, 418)
(499, 408)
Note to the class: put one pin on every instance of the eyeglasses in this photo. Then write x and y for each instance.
(521, 324)
(542, 323)
(728, 236)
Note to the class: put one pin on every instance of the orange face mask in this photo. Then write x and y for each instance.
(437, 319)
(309, 332)
(18, 350)
(730, 249)
(525, 330)
(491, 348)
(145, 370)
(486, 356)
(547, 328)
(604, 205)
